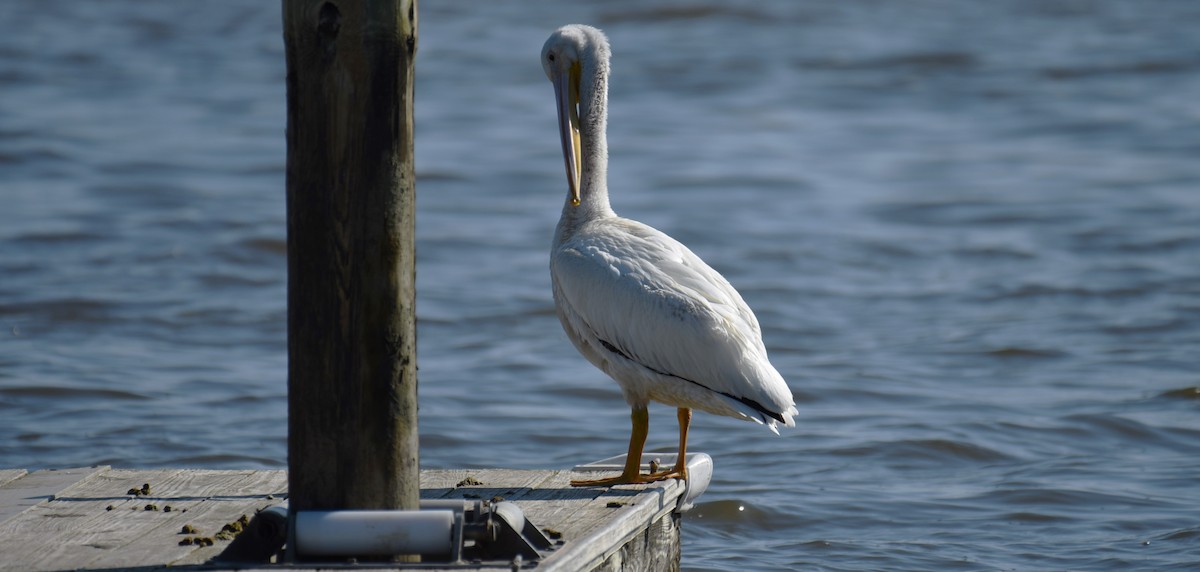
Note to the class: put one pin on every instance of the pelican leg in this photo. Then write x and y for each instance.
(633, 460)
(679, 471)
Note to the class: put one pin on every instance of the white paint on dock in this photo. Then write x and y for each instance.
(84, 519)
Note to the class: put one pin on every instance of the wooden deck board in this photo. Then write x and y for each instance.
(62, 520)
(29, 489)
(7, 475)
(601, 526)
(78, 529)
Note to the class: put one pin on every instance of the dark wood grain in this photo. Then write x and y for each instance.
(352, 385)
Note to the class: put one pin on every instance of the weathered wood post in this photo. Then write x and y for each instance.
(352, 385)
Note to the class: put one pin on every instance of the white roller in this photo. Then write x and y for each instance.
(374, 532)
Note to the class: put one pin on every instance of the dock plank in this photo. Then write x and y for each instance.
(608, 523)
(205, 499)
(78, 529)
(7, 475)
(84, 519)
(29, 489)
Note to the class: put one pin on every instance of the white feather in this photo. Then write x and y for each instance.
(623, 283)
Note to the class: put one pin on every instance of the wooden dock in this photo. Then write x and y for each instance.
(100, 518)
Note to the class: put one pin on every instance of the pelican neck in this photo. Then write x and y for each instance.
(593, 125)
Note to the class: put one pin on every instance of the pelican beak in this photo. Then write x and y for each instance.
(566, 93)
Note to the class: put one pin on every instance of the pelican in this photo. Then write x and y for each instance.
(635, 302)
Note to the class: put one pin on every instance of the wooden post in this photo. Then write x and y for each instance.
(352, 385)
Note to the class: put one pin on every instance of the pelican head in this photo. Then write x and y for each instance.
(575, 59)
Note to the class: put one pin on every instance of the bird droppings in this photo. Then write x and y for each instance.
(238, 525)
(227, 532)
(151, 507)
(553, 533)
(109, 507)
(142, 492)
(232, 529)
(497, 498)
(615, 504)
(469, 482)
(167, 508)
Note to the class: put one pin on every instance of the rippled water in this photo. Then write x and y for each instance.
(971, 232)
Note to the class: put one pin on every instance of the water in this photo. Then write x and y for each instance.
(971, 233)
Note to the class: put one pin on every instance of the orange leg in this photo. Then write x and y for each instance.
(633, 460)
(679, 471)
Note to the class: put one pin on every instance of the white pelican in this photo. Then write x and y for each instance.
(634, 301)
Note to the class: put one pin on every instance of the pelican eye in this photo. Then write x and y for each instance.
(550, 57)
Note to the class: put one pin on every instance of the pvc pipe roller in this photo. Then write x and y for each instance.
(374, 532)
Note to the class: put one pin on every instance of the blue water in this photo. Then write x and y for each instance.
(971, 232)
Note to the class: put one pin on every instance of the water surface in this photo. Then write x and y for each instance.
(971, 233)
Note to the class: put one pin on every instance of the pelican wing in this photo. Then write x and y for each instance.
(660, 305)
